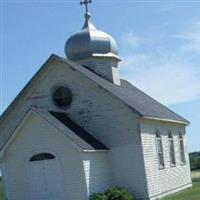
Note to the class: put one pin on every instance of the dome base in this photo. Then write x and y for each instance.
(105, 67)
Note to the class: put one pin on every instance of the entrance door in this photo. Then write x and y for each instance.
(45, 177)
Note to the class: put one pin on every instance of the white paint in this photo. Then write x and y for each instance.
(165, 120)
(28, 142)
(163, 182)
(97, 171)
(105, 67)
(45, 180)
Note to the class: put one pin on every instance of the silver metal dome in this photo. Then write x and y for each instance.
(89, 42)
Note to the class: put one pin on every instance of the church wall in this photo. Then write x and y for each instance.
(171, 179)
(99, 113)
(109, 120)
(37, 136)
(97, 171)
(128, 169)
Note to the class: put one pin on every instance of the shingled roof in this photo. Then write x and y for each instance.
(144, 104)
(79, 131)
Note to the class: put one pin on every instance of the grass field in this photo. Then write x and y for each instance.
(191, 194)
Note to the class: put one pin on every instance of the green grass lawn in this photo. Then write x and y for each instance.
(191, 194)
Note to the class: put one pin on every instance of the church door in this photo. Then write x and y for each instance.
(45, 178)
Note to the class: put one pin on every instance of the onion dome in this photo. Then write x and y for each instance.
(90, 42)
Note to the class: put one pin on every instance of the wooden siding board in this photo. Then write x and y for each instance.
(162, 181)
(97, 171)
(23, 146)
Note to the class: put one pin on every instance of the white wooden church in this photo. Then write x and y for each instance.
(77, 128)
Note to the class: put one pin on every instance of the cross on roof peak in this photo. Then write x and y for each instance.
(85, 2)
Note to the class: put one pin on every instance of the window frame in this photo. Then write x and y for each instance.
(172, 154)
(160, 152)
(42, 157)
(181, 149)
(62, 96)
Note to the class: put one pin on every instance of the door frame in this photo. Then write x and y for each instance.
(28, 162)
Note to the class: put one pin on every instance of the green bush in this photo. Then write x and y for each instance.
(118, 193)
(98, 196)
(114, 193)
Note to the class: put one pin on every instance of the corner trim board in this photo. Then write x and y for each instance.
(165, 120)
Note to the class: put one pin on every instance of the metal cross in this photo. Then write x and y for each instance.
(86, 2)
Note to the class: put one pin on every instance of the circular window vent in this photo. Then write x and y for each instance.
(62, 97)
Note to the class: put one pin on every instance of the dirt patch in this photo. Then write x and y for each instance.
(196, 175)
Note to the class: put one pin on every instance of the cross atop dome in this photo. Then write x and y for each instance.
(86, 2)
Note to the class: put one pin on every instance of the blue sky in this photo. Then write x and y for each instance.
(159, 42)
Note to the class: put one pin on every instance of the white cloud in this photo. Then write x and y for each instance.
(191, 38)
(167, 77)
(131, 41)
(169, 81)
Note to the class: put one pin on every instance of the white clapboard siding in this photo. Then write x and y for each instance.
(37, 136)
(162, 182)
(97, 171)
(107, 68)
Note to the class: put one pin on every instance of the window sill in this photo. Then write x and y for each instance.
(161, 167)
(182, 164)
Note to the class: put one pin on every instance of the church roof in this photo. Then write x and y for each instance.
(146, 105)
(141, 103)
(94, 144)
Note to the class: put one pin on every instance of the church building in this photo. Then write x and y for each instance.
(78, 128)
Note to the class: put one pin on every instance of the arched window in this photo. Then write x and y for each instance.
(42, 156)
(171, 149)
(181, 148)
(159, 148)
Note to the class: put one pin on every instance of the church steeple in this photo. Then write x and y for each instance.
(94, 49)
(86, 2)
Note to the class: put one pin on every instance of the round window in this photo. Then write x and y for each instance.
(62, 97)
